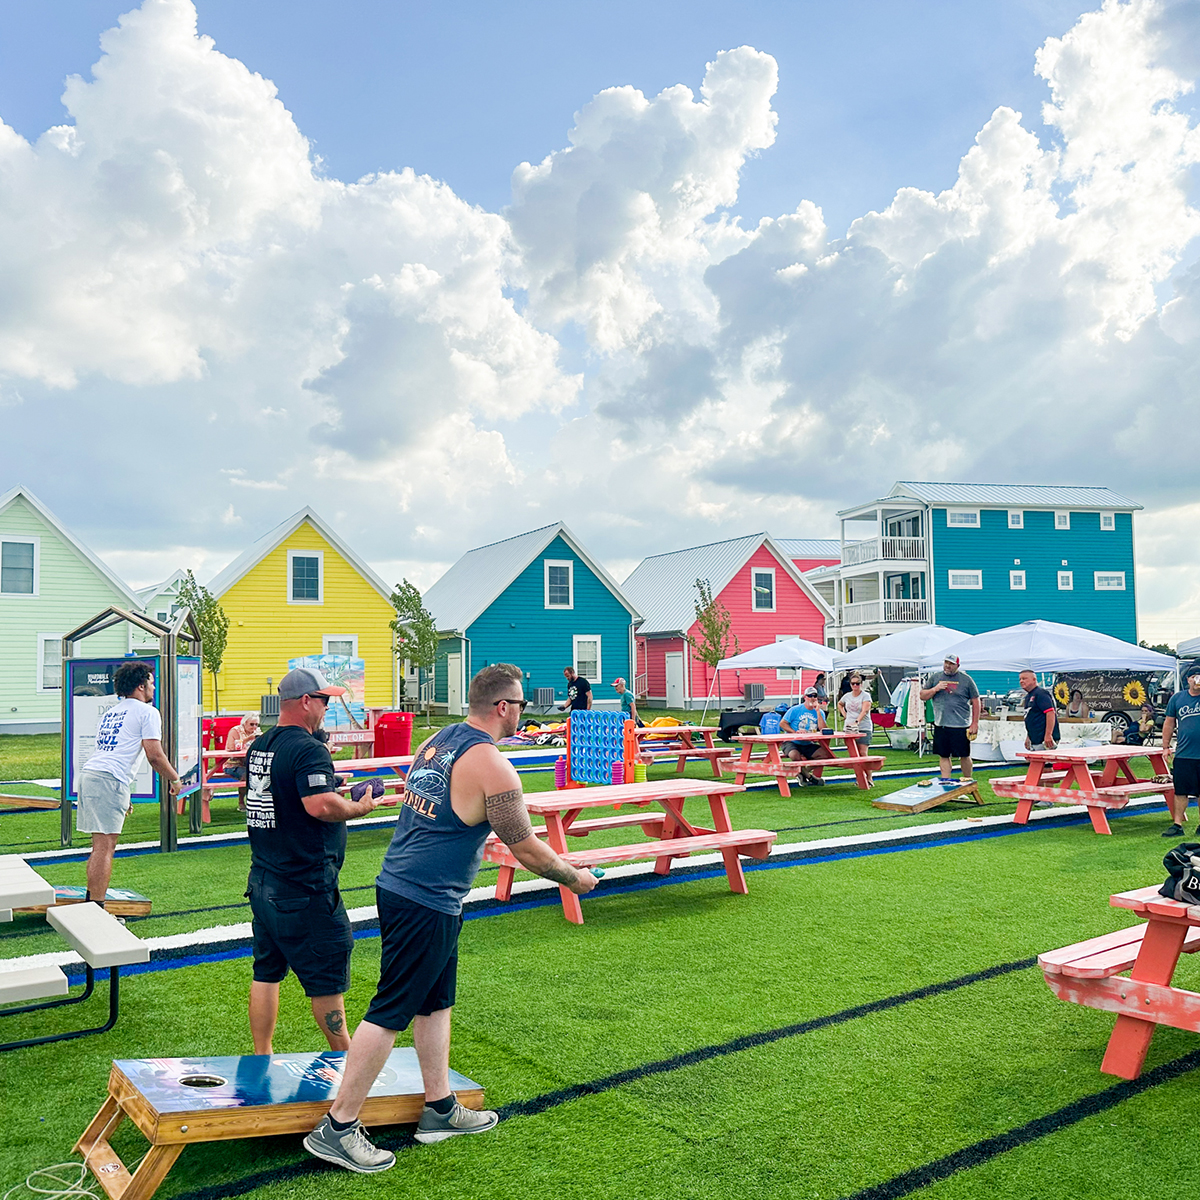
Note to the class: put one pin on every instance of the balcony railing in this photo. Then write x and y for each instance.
(876, 612)
(889, 548)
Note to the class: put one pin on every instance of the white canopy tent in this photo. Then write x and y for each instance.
(1189, 648)
(797, 654)
(908, 648)
(1049, 646)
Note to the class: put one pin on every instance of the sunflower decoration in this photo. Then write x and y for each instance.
(1062, 693)
(1135, 693)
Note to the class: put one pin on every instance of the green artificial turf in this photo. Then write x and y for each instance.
(654, 973)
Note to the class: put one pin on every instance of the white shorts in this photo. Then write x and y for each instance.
(103, 803)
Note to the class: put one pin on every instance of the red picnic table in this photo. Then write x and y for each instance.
(653, 741)
(671, 834)
(1090, 972)
(1099, 790)
(773, 763)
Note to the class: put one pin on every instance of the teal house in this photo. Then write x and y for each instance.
(538, 600)
(976, 556)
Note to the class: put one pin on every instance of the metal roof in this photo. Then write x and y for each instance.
(664, 586)
(1028, 495)
(257, 551)
(121, 586)
(810, 547)
(464, 593)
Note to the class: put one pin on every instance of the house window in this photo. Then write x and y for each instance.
(1062, 520)
(1108, 522)
(1110, 581)
(587, 657)
(19, 567)
(1016, 518)
(962, 518)
(306, 577)
(162, 616)
(49, 662)
(970, 580)
(1016, 581)
(762, 589)
(340, 643)
(1066, 581)
(559, 581)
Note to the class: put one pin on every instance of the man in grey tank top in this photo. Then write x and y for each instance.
(460, 788)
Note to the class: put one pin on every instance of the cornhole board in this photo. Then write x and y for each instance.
(929, 794)
(179, 1101)
(7, 800)
(121, 902)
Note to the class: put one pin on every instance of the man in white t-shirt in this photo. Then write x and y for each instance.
(131, 728)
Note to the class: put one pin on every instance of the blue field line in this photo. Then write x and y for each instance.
(174, 959)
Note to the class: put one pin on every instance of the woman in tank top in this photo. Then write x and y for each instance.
(855, 708)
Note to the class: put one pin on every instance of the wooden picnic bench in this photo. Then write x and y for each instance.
(1075, 783)
(673, 836)
(653, 743)
(773, 763)
(1091, 973)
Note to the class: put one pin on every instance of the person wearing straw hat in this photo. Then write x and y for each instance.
(956, 709)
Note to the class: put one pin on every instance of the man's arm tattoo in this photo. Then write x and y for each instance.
(560, 871)
(508, 816)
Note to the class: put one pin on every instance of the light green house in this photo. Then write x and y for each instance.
(50, 583)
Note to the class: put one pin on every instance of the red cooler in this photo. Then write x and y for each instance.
(393, 734)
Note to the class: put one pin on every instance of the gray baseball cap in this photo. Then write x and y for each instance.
(304, 681)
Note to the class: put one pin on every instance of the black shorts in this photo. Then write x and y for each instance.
(310, 933)
(418, 967)
(804, 749)
(951, 742)
(1186, 774)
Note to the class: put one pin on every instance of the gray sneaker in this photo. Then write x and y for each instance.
(434, 1127)
(351, 1148)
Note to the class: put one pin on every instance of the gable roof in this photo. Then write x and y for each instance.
(109, 575)
(469, 588)
(257, 551)
(663, 586)
(1008, 495)
(157, 589)
(811, 547)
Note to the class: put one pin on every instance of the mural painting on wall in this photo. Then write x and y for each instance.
(342, 671)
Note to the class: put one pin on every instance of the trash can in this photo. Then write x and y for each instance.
(393, 734)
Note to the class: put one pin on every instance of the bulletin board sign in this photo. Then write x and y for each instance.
(189, 712)
(90, 695)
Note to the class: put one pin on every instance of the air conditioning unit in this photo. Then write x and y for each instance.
(268, 710)
(754, 693)
(543, 697)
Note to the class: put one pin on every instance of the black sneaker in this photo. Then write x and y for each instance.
(1173, 831)
(813, 781)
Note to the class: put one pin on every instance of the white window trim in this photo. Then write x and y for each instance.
(754, 573)
(1019, 523)
(1110, 516)
(1013, 585)
(788, 674)
(547, 563)
(1069, 576)
(1058, 512)
(1096, 576)
(587, 637)
(319, 555)
(950, 524)
(42, 639)
(964, 587)
(36, 543)
(352, 638)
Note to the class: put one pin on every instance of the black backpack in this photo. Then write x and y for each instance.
(1183, 867)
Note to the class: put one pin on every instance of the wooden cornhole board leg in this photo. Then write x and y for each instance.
(254, 1095)
(919, 797)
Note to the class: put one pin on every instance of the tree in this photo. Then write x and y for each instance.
(715, 622)
(213, 624)
(415, 630)
(1161, 647)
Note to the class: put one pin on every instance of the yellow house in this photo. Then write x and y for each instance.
(300, 590)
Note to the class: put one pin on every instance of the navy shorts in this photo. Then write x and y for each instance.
(951, 742)
(1186, 774)
(418, 969)
(306, 932)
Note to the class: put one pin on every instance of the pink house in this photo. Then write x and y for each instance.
(767, 596)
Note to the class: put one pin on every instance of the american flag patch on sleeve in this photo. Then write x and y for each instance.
(316, 780)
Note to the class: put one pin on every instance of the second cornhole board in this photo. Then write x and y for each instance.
(8, 800)
(178, 1101)
(929, 794)
(121, 902)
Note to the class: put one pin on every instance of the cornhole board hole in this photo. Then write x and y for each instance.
(929, 794)
(8, 800)
(121, 902)
(179, 1101)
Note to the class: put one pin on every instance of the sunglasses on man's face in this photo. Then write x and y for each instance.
(319, 696)
(505, 700)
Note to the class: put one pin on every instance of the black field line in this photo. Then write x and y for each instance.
(403, 1139)
(984, 1151)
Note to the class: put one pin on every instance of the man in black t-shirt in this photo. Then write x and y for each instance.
(579, 691)
(1041, 721)
(295, 821)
